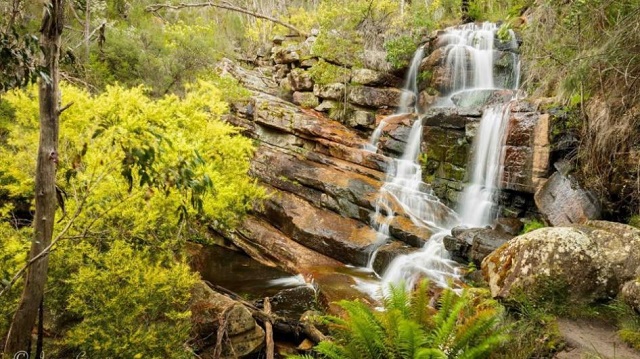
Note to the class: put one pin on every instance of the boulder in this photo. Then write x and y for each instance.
(630, 294)
(562, 202)
(374, 97)
(300, 80)
(245, 336)
(586, 263)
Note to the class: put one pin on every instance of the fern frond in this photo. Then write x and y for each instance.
(410, 338)
(397, 299)
(367, 333)
(447, 320)
(430, 353)
(419, 303)
(481, 325)
(330, 350)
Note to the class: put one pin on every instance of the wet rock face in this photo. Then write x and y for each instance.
(562, 202)
(588, 262)
(474, 244)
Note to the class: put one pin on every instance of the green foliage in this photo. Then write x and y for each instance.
(324, 73)
(462, 326)
(400, 51)
(497, 10)
(583, 53)
(140, 179)
(14, 247)
(18, 59)
(635, 221)
(628, 322)
(130, 305)
(532, 225)
(154, 144)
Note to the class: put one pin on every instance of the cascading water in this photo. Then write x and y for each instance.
(478, 204)
(409, 96)
(470, 61)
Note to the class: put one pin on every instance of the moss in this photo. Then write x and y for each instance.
(532, 225)
(635, 221)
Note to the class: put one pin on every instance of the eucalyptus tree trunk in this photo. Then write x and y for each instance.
(19, 337)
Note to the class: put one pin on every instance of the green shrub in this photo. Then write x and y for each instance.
(400, 51)
(131, 306)
(324, 73)
(635, 221)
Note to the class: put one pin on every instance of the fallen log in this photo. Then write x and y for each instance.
(296, 329)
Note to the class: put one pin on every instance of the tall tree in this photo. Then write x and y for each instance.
(19, 337)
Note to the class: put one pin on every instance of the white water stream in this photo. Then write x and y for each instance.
(470, 61)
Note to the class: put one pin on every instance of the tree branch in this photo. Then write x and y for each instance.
(226, 6)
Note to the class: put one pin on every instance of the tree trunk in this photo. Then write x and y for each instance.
(19, 337)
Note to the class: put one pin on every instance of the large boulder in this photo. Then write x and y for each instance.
(563, 202)
(208, 310)
(587, 262)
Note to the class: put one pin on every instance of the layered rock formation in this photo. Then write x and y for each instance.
(323, 183)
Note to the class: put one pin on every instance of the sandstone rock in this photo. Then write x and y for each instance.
(245, 336)
(369, 77)
(363, 119)
(511, 226)
(285, 55)
(334, 91)
(344, 239)
(445, 118)
(527, 149)
(271, 247)
(562, 202)
(374, 97)
(326, 105)
(376, 60)
(474, 98)
(588, 262)
(474, 244)
(307, 63)
(252, 80)
(305, 99)
(388, 252)
(300, 80)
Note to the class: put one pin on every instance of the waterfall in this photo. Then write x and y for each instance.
(469, 61)
(478, 204)
(409, 96)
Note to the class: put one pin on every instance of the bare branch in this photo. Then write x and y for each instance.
(226, 6)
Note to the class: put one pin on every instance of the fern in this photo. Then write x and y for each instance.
(461, 327)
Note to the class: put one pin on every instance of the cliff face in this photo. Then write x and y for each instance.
(324, 183)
